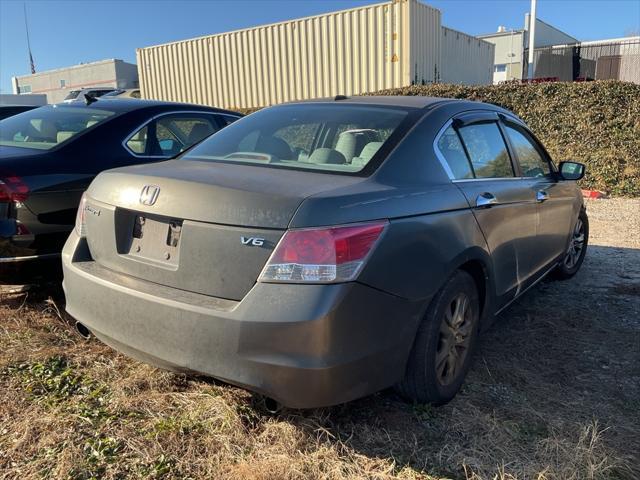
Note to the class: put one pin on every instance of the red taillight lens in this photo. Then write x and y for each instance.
(13, 189)
(322, 255)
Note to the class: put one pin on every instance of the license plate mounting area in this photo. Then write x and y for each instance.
(156, 239)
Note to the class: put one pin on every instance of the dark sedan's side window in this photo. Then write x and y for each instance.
(531, 161)
(451, 148)
(227, 119)
(170, 134)
(487, 151)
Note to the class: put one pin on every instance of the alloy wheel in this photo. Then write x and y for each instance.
(455, 338)
(576, 245)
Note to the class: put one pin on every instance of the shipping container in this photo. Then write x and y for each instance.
(465, 59)
(349, 52)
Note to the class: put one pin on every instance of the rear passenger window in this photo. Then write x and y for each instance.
(452, 150)
(532, 163)
(170, 134)
(487, 150)
(227, 119)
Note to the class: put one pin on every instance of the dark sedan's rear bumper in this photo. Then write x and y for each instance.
(22, 258)
(304, 345)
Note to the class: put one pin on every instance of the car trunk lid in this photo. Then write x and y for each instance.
(198, 226)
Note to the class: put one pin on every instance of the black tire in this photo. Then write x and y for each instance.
(577, 249)
(425, 379)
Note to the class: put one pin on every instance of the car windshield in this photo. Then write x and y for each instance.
(114, 93)
(47, 127)
(324, 137)
(72, 95)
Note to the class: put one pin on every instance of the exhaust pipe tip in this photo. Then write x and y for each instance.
(272, 406)
(83, 331)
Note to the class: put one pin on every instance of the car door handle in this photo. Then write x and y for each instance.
(486, 200)
(541, 196)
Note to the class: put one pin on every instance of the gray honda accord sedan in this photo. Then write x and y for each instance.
(316, 252)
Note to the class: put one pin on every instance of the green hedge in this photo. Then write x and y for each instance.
(596, 123)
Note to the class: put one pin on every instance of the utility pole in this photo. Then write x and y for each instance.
(532, 40)
(26, 27)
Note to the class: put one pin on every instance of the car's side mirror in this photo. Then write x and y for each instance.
(572, 170)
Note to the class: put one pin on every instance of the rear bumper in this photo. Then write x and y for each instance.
(21, 263)
(18, 247)
(306, 346)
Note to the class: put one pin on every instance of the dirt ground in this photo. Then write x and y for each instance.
(554, 394)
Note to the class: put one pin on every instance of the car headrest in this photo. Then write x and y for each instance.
(274, 146)
(198, 132)
(62, 136)
(327, 155)
(370, 150)
(347, 144)
(43, 129)
(367, 153)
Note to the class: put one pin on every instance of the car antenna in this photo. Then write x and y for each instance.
(89, 99)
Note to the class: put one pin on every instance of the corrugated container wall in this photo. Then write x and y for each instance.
(347, 52)
(465, 59)
(425, 43)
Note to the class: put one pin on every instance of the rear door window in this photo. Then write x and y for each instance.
(225, 119)
(531, 160)
(451, 149)
(487, 150)
(171, 134)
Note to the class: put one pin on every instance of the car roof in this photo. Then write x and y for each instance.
(411, 101)
(122, 105)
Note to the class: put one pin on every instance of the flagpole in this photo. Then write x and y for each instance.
(532, 41)
(26, 27)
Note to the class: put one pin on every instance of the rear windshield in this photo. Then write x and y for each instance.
(326, 137)
(46, 127)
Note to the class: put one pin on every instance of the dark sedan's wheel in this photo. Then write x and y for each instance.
(444, 343)
(577, 249)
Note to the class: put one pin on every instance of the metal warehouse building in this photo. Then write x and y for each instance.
(56, 84)
(510, 58)
(386, 45)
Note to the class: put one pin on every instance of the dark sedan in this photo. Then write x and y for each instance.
(50, 155)
(321, 251)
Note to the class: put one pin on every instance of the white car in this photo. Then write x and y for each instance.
(78, 95)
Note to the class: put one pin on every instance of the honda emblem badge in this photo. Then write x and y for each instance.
(149, 194)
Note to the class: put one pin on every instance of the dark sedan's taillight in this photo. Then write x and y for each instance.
(322, 255)
(13, 189)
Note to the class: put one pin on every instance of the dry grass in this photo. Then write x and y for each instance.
(553, 395)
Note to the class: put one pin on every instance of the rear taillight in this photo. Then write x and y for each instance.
(80, 216)
(322, 255)
(13, 189)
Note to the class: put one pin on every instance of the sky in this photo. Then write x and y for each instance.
(69, 32)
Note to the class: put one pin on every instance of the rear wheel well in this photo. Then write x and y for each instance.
(478, 272)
